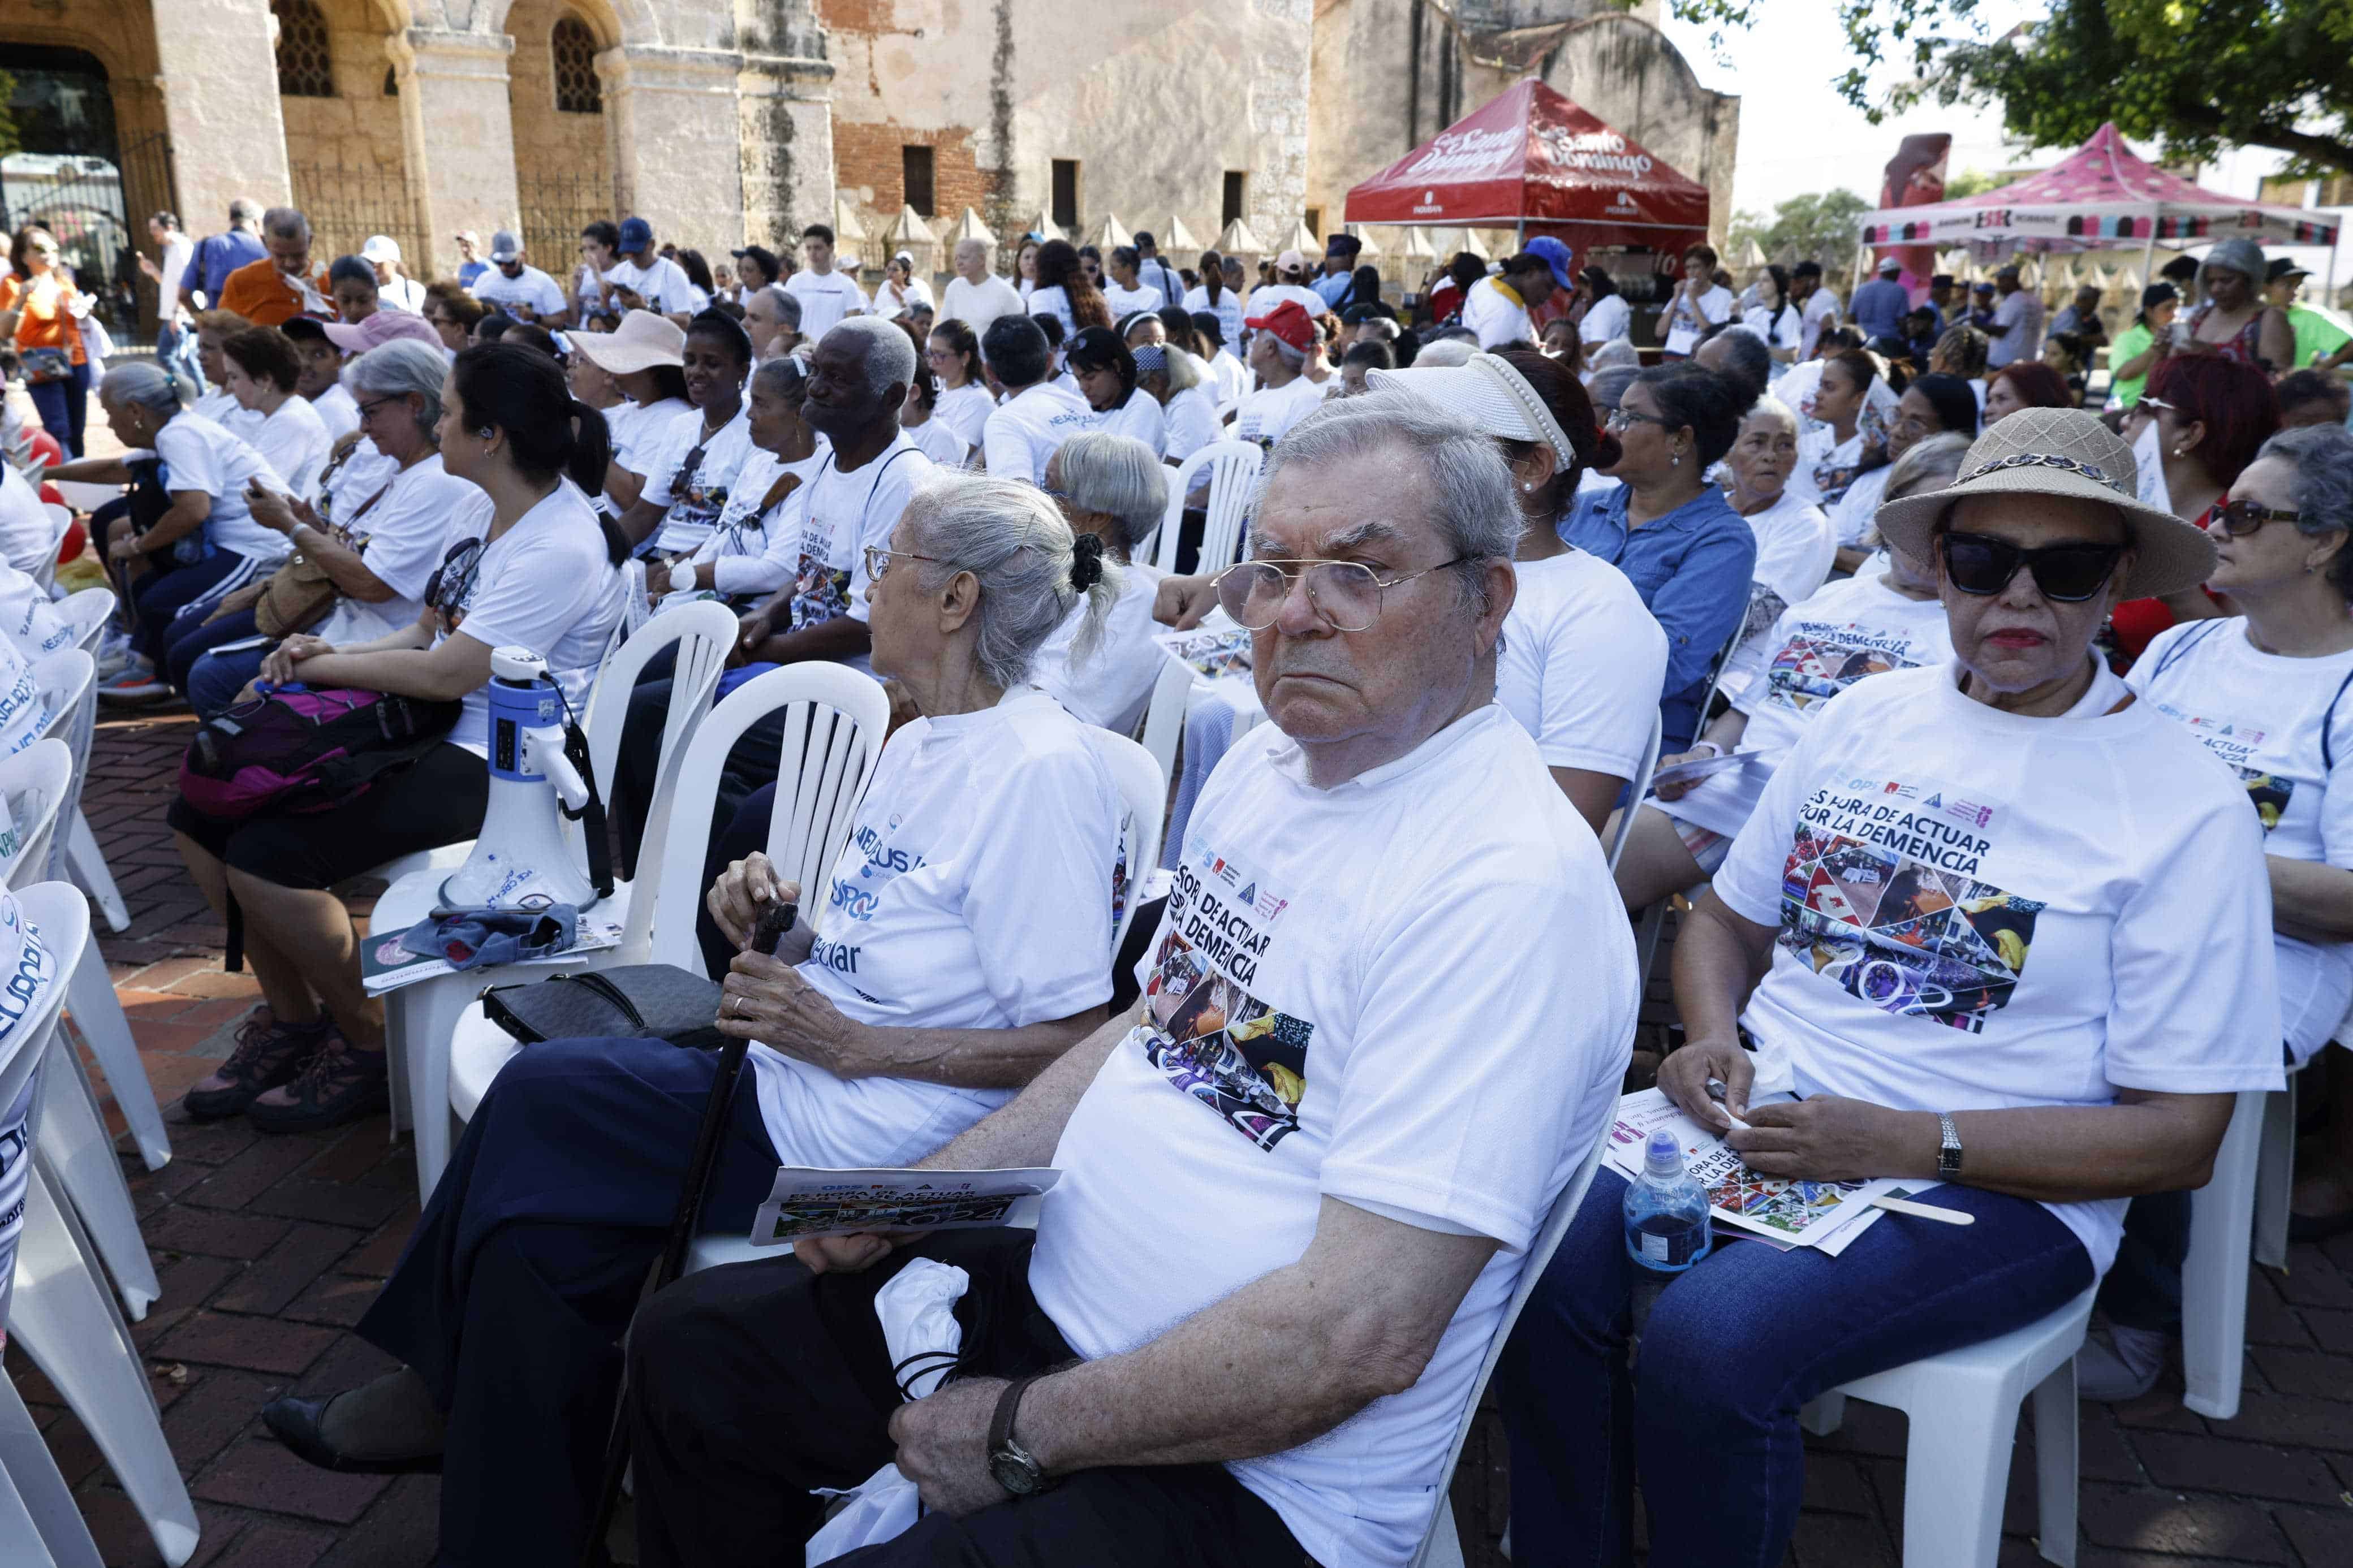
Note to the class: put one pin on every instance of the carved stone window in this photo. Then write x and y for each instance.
(304, 69)
(573, 51)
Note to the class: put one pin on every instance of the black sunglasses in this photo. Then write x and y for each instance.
(2242, 517)
(2066, 573)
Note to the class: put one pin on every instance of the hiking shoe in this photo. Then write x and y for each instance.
(341, 1083)
(113, 654)
(268, 1053)
(135, 682)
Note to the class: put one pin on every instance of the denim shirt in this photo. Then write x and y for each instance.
(1693, 568)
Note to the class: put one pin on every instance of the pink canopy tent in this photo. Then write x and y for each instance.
(1530, 161)
(2102, 196)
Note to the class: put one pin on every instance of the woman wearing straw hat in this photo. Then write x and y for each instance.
(1999, 926)
(644, 356)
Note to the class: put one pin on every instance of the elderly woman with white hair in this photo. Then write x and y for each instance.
(962, 945)
(206, 546)
(1795, 541)
(361, 577)
(1114, 493)
(1994, 925)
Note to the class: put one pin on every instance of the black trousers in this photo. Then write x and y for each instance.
(750, 763)
(752, 1383)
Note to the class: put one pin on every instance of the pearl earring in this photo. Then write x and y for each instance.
(2180, 452)
(1675, 460)
(1527, 487)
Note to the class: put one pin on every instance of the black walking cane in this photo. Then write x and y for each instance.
(776, 920)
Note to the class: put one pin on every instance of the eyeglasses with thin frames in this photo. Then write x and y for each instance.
(1621, 418)
(878, 558)
(1347, 595)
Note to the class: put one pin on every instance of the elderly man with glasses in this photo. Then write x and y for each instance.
(1385, 1015)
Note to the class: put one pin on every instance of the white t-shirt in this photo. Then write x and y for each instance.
(1028, 428)
(965, 411)
(1794, 552)
(825, 300)
(1821, 311)
(533, 289)
(1266, 415)
(1189, 422)
(402, 294)
(199, 454)
(295, 441)
(1582, 664)
(890, 300)
(757, 552)
(976, 893)
(402, 538)
(1233, 377)
(1825, 464)
(938, 440)
(177, 252)
(1853, 628)
(1140, 417)
(847, 512)
(638, 430)
(347, 485)
(1784, 330)
(1263, 300)
(1111, 688)
(1055, 303)
(1412, 993)
(1497, 316)
(1607, 318)
(1854, 514)
(1124, 302)
(338, 410)
(1980, 910)
(28, 537)
(978, 304)
(694, 497)
(220, 407)
(2285, 727)
(1687, 320)
(1227, 309)
(546, 585)
(664, 286)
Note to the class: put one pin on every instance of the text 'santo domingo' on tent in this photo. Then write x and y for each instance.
(1532, 160)
(2100, 196)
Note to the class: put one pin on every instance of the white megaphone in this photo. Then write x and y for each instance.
(520, 861)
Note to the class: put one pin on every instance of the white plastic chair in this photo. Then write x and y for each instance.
(2214, 1274)
(1145, 789)
(838, 718)
(1164, 716)
(419, 1017)
(61, 521)
(83, 496)
(1639, 787)
(2276, 1164)
(65, 1321)
(1963, 1407)
(1234, 477)
(1441, 1547)
(88, 612)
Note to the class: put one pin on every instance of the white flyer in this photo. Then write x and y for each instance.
(811, 1201)
(1782, 1210)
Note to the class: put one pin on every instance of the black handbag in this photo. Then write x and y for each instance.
(641, 1001)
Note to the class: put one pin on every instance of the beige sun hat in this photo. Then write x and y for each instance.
(1489, 393)
(2069, 453)
(641, 341)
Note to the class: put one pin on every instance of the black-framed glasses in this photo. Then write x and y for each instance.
(2066, 573)
(1621, 418)
(1346, 594)
(453, 580)
(2242, 517)
(878, 558)
(369, 406)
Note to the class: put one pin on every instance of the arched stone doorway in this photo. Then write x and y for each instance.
(346, 157)
(555, 99)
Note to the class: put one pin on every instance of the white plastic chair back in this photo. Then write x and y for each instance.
(1439, 1546)
(37, 782)
(87, 612)
(1144, 789)
(636, 609)
(83, 496)
(60, 523)
(1164, 717)
(835, 722)
(1722, 659)
(69, 680)
(1233, 475)
(1639, 787)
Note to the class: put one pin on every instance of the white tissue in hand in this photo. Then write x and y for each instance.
(918, 1313)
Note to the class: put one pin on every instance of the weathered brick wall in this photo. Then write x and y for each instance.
(359, 128)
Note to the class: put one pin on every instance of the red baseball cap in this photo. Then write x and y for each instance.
(1289, 321)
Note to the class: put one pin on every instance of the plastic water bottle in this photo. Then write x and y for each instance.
(1666, 1212)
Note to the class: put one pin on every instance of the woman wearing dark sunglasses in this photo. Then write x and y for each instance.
(2270, 692)
(1995, 924)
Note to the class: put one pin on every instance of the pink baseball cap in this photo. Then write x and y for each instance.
(383, 327)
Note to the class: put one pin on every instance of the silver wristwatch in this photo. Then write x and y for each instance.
(1948, 1155)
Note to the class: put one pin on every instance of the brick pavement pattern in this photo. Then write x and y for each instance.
(269, 1248)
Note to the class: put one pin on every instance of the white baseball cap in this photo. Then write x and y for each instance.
(381, 247)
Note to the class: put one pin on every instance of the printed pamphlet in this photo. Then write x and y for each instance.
(811, 1201)
(1825, 1215)
(1209, 651)
(1699, 768)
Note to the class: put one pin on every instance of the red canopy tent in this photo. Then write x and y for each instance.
(1533, 161)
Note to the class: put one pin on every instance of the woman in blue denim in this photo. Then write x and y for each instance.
(1994, 925)
(1678, 540)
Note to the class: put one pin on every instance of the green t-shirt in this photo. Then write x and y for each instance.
(2315, 335)
(2130, 344)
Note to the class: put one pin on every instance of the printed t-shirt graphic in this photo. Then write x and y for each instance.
(1821, 661)
(1878, 896)
(1205, 1032)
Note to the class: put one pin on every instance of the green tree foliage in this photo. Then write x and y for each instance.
(1823, 227)
(2196, 75)
(1970, 182)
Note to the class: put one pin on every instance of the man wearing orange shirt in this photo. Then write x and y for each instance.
(283, 284)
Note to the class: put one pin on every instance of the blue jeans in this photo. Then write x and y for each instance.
(1731, 1349)
(64, 407)
(215, 678)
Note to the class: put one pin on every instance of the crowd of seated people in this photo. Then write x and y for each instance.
(1986, 893)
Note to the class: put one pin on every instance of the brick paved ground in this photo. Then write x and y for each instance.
(268, 1248)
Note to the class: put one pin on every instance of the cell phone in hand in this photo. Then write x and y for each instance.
(776, 920)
